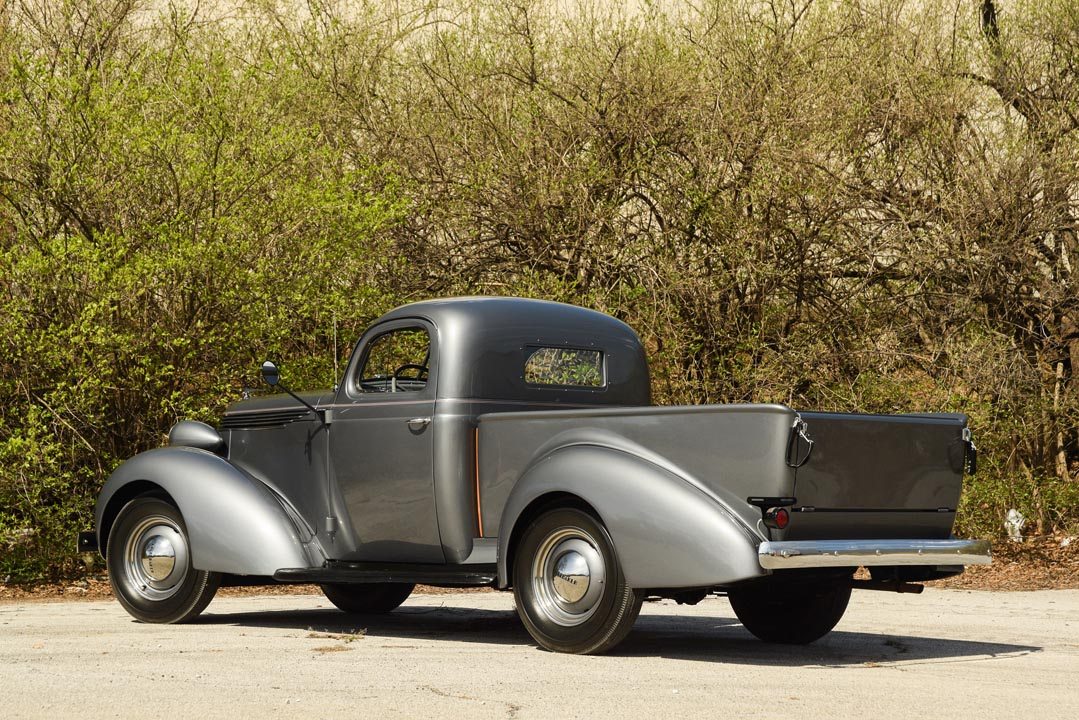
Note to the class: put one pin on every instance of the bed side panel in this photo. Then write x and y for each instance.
(729, 451)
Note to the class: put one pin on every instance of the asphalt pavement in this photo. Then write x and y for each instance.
(942, 654)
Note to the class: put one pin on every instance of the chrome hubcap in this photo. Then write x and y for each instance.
(156, 558)
(568, 576)
(572, 577)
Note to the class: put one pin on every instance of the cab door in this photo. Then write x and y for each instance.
(381, 444)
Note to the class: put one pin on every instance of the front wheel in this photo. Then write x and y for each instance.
(569, 588)
(794, 614)
(367, 598)
(150, 569)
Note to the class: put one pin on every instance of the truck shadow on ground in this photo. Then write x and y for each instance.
(670, 635)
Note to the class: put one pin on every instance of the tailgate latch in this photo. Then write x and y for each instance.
(971, 454)
(799, 446)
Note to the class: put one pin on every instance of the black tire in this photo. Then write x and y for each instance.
(367, 598)
(148, 555)
(793, 614)
(568, 585)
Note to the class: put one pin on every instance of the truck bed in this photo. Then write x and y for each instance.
(868, 476)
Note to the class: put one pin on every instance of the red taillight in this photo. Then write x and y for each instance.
(778, 518)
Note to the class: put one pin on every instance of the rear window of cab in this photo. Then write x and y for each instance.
(564, 367)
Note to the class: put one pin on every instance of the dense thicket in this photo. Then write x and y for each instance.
(843, 204)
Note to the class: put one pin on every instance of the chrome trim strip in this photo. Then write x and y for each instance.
(866, 553)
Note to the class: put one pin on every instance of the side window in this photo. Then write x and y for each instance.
(567, 367)
(396, 361)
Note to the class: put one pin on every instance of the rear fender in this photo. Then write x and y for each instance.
(667, 532)
(235, 524)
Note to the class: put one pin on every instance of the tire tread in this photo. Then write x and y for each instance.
(795, 615)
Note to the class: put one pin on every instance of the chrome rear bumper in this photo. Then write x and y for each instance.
(867, 553)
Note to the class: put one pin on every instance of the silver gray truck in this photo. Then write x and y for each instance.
(511, 443)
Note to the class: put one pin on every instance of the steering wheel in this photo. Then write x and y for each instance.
(421, 371)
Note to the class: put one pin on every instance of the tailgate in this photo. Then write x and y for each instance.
(879, 476)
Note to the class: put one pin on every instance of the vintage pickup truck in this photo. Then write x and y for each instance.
(511, 443)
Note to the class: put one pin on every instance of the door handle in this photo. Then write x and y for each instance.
(418, 424)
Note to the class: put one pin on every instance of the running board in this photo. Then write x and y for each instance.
(437, 575)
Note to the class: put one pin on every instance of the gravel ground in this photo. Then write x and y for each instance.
(943, 654)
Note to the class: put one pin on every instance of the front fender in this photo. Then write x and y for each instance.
(667, 532)
(234, 523)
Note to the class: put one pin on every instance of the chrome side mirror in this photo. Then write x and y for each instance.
(270, 373)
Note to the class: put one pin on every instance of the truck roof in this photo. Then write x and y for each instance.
(484, 343)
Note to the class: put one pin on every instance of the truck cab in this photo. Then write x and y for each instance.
(400, 480)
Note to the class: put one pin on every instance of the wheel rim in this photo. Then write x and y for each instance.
(568, 576)
(156, 558)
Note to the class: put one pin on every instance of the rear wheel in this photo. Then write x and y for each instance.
(367, 598)
(794, 614)
(569, 588)
(150, 566)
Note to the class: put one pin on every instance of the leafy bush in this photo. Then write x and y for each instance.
(172, 216)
